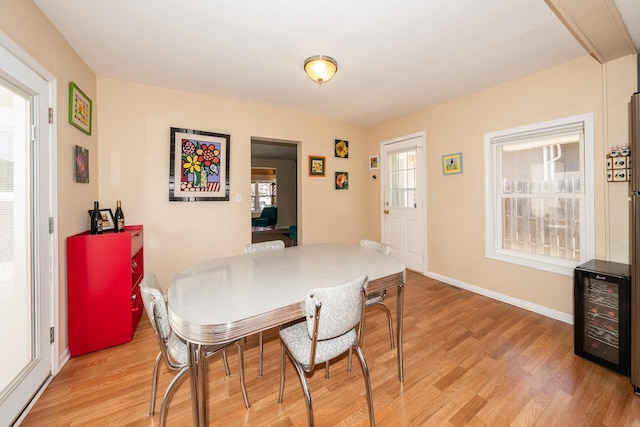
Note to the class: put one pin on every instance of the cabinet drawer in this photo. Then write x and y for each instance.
(136, 242)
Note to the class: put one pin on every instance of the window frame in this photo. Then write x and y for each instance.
(493, 201)
(255, 206)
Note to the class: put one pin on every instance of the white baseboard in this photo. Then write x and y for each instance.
(545, 311)
(64, 358)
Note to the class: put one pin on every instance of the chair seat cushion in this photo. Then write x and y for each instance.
(296, 338)
(260, 222)
(177, 349)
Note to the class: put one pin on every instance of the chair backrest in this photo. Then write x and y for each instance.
(270, 246)
(155, 305)
(342, 308)
(377, 246)
(270, 212)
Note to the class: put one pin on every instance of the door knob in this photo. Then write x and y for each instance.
(386, 212)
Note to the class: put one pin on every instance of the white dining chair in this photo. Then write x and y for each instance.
(173, 350)
(333, 325)
(376, 299)
(262, 247)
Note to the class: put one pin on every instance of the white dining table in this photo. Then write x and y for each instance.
(224, 299)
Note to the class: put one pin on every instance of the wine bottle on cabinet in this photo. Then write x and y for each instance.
(119, 217)
(96, 219)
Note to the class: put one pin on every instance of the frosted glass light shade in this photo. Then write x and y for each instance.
(320, 68)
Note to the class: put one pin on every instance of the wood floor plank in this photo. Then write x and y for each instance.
(469, 360)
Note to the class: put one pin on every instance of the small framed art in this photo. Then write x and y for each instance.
(107, 219)
(80, 107)
(452, 163)
(316, 165)
(342, 148)
(342, 180)
(81, 164)
(374, 162)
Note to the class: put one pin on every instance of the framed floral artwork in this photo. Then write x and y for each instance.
(316, 165)
(80, 107)
(342, 148)
(81, 164)
(342, 180)
(198, 166)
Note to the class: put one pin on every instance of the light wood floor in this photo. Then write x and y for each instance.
(469, 360)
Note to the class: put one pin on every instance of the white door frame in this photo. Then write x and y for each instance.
(47, 134)
(421, 191)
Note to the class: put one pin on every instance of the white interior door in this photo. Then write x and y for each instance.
(25, 242)
(403, 166)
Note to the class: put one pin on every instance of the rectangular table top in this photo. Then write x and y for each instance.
(219, 300)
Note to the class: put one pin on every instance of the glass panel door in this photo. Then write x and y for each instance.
(16, 277)
(25, 242)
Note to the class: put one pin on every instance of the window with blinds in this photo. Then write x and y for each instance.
(539, 194)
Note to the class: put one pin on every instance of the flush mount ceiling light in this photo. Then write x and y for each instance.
(320, 68)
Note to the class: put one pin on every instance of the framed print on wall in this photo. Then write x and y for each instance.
(374, 162)
(198, 166)
(452, 163)
(316, 165)
(79, 109)
(81, 164)
(342, 148)
(342, 180)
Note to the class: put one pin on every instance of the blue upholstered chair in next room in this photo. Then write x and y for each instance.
(268, 218)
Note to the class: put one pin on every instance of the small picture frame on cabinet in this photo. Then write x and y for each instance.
(108, 223)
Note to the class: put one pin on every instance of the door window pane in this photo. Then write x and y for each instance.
(16, 322)
(402, 170)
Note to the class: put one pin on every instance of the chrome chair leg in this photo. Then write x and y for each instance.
(240, 345)
(167, 393)
(282, 369)
(388, 312)
(303, 380)
(307, 394)
(389, 319)
(154, 384)
(367, 383)
(226, 363)
(260, 354)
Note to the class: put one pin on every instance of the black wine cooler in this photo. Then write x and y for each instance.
(602, 307)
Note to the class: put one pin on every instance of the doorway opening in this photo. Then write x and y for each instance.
(274, 190)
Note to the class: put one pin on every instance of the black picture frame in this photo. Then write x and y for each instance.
(108, 223)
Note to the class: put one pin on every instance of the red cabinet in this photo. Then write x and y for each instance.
(104, 272)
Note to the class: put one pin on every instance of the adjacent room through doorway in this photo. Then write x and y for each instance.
(274, 190)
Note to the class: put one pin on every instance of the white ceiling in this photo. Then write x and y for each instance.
(394, 57)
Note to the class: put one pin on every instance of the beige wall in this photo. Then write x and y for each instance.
(30, 29)
(135, 121)
(455, 221)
